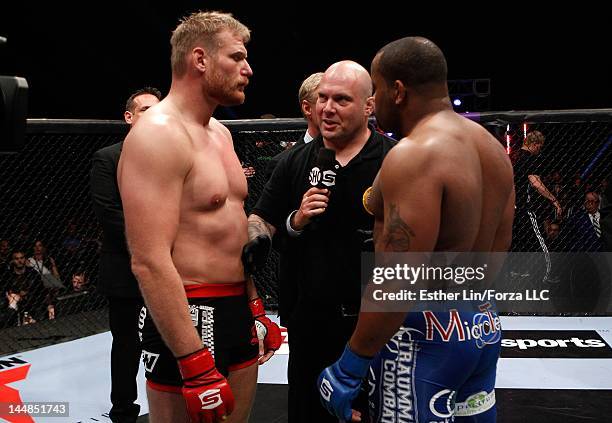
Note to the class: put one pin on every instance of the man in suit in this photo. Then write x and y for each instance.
(606, 215)
(586, 225)
(116, 280)
(589, 289)
(307, 95)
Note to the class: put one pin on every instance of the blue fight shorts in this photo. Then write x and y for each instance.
(438, 368)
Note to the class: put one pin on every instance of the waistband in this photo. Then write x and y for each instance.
(204, 290)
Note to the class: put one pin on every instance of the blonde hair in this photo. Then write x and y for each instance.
(202, 27)
(534, 137)
(309, 87)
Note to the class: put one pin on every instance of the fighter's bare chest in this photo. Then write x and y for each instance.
(215, 177)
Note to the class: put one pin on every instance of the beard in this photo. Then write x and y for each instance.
(224, 91)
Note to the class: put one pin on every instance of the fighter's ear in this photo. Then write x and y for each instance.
(127, 116)
(198, 57)
(400, 93)
(369, 109)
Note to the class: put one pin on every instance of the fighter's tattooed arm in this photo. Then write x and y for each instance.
(397, 233)
(258, 226)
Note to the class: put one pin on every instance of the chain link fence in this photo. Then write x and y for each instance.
(50, 237)
(47, 216)
(559, 220)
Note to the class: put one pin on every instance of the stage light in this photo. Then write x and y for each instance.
(457, 102)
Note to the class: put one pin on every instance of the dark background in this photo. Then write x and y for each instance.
(82, 60)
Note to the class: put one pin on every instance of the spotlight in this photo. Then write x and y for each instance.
(457, 102)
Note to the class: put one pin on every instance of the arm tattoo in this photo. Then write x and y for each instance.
(397, 233)
(258, 226)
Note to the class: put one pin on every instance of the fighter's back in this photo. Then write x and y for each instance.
(447, 186)
(454, 159)
(478, 201)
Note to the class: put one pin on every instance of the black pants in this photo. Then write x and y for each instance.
(314, 344)
(125, 357)
(527, 237)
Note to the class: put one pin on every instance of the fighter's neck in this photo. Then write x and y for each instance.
(191, 102)
(421, 109)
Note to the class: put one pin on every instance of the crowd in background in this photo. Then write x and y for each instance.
(36, 275)
(39, 280)
(577, 228)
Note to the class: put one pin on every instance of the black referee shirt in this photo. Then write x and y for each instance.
(325, 260)
(524, 164)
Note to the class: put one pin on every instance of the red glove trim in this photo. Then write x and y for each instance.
(196, 364)
(257, 307)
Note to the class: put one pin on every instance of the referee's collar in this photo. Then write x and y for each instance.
(370, 150)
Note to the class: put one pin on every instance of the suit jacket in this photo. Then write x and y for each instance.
(115, 273)
(605, 220)
(583, 236)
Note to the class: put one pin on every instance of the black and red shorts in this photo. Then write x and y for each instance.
(222, 318)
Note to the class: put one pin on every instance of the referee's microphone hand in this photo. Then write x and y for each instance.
(322, 179)
(314, 203)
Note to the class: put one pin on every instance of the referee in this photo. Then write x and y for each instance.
(326, 230)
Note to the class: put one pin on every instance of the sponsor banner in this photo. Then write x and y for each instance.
(77, 373)
(67, 382)
(554, 344)
(502, 282)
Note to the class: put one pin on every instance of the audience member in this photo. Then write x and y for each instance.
(45, 266)
(79, 282)
(552, 230)
(23, 291)
(585, 226)
(606, 215)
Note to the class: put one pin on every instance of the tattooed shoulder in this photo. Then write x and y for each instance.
(397, 233)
